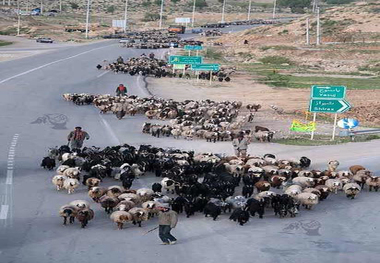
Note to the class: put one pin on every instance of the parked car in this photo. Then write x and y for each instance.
(44, 40)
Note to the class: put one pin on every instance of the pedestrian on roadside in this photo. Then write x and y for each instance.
(167, 220)
(240, 145)
(121, 90)
(77, 137)
(120, 60)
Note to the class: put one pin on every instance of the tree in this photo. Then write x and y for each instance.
(174, 1)
(74, 5)
(296, 6)
(152, 17)
(200, 3)
(111, 9)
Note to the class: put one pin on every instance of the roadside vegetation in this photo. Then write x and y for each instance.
(5, 43)
(304, 140)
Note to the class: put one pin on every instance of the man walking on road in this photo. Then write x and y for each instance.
(121, 90)
(240, 145)
(77, 137)
(167, 220)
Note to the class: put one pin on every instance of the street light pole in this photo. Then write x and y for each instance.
(125, 16)
(42, 7)
(192, 20)
(318, 28)
(274, 9)
(224, 6)
(87, 16)
(161, 11)
(18, 18)
(60, 6)
(249, 9)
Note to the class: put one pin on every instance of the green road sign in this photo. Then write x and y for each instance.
(205, 67)
(179, 66)
(191, 47)
(328, 92)
(188, 60)
(329, 105)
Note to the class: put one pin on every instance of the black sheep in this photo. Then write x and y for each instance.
(157, 187)
(305, 162)
(48, 163)
(254, 206)
(189, 209)
(247, 190)
(213, 210)
(240, 215)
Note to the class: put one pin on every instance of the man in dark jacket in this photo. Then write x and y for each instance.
(121, 90)
(167, 220)
(77, 137)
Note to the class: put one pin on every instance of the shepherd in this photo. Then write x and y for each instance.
(240, 145)
(121, 90)
(167, 220)
(77, 137)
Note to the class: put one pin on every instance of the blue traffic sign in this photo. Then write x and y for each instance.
(348, 123)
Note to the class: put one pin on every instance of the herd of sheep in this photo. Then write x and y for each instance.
(207, 119)
(192, 183)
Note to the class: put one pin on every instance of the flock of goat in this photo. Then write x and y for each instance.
(192, 183)
(207, 119)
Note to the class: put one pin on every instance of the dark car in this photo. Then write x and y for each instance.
(44, 40)
(196, 30)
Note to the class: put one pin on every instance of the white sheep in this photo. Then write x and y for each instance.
(264, 194)
(137, 171)
(334, 185)
(313, 191)
(151, 207)
(168, 184)
(115, 191)
(373, 182)
(121, 217)
(304, 181)
(96, 192)
(293, 190)
(345, 174)
(59, 181)
(92, 182)
(61, 169)
(305, 173)
(145, 194)
(125, 205)
(70, 184)
(72, 172)
(130, 197)
(307, 199)
(162, 199)
(332, 165)
(255, 162)
(351, 190)
(139, 215)
(80, 204)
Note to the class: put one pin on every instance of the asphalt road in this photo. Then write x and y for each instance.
(338, 229)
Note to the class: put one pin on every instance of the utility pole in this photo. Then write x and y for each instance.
(161, 11)
(60, 6)
(307, 32)
(87, 16)
(125, 16)
(274, 9)
(18, 17)
(224, 7)
(42, 7)
(318, 28)
(249, 9)
(193, 18)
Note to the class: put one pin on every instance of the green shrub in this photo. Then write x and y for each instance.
(200, 3)
(152, 17)
(74, 5)
(276, 60)
(111, 9)
(277, 80)
(213, 54)
(338, 2)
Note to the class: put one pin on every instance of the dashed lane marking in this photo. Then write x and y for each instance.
(102, 74)
(4, 211)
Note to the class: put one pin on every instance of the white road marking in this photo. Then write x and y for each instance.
(4, 211)
(51, 63)
(9, 179)
(109, 130)
(102, 74)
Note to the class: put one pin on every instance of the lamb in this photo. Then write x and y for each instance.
(351, 190)
(108, 203)
(304, 182)
(48, 163)
(139, 215)
(307, 199)
(84, 216)
(293, 190)
(332, 165)
(68, 211)
(96, 192)
(334, 185)
(59, 181)
(92, 182)
(121, 217)
(145, 194)
(72, 173)
(80, 204)
(70, 185)
(373, 182)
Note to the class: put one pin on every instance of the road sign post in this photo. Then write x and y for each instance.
(188, 60)
(328, 92)
(334, 129)
(329, 105)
